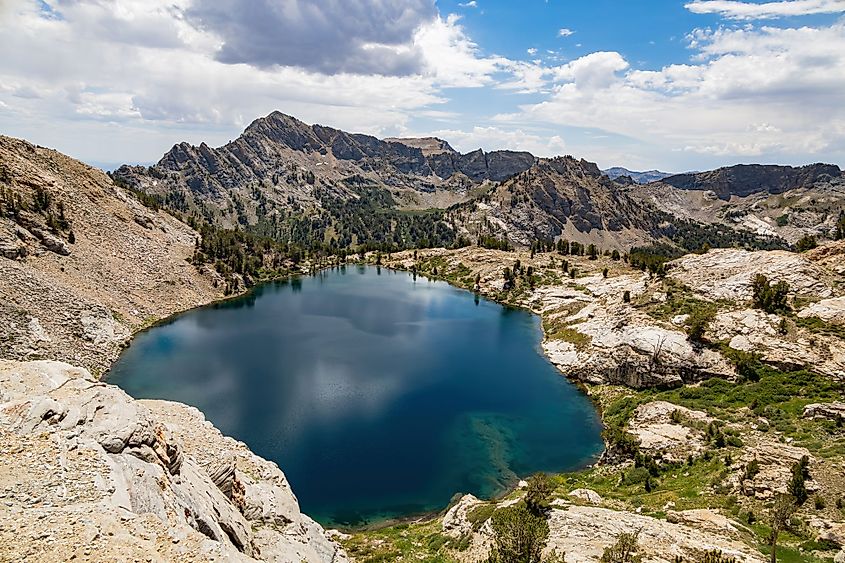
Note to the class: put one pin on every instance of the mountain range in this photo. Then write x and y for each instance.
(311, 183)
(638, 177)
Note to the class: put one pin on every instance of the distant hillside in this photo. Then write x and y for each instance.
(637, 177)
(745, 179)
(773, 201)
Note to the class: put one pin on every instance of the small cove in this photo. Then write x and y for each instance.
(378, 394)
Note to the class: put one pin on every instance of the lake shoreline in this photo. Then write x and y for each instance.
(416, 517)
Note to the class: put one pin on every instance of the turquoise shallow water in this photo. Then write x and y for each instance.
(379, 395)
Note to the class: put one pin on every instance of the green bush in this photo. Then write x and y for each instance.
(519, 535)
(623, 551)
(768, 297)
(806, 243)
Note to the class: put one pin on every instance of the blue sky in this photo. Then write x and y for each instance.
(675, 85)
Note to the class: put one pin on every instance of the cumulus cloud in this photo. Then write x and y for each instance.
(734, 9)
(753, 92)
(124, 79)
(565, 32)
(498, 138)
(329, 36)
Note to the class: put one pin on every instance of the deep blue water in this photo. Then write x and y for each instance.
(377, 394)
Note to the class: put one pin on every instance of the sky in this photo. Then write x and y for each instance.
(673, 85)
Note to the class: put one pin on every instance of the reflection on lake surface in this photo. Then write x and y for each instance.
(377, 394)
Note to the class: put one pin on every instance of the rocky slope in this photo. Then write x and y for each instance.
(745, 179)
(559, 198)
(83, 264)
(768, 200)
(638, 177)
(89, 474)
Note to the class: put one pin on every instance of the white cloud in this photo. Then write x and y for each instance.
(497, 138)
(125, 79)
(733, 9)
(755, 92)
(470, 4)
(143, 65)
(565, 32)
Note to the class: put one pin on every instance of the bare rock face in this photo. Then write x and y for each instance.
(830, 310)
(669, 432)
(587, 495)
(618, 345)
(727, 273)
(752, 330)
(567, 198)
(115, 468)
(831, 411)
(583, 533)
(745, 179)
(455, 523)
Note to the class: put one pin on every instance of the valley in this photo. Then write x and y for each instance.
(712, 385)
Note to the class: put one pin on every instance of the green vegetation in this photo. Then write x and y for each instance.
(805, 243)
(698, 322)
(520, 535)
(538, 493)
(797, 484)
(819, 326)
(494, 243)
(624, 550)
(768, 297)
(691, 236)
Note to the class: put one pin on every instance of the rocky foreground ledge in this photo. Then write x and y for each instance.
(89, 474)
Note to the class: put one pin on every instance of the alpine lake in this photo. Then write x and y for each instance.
(380, 395)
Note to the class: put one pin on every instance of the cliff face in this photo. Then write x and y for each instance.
(561, 197)
(90, 474)
(82, 263)
(746, 179)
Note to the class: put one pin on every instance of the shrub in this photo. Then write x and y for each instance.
(520, 535)
(626, 297)
(768, 297)
(623, 551)
(806, 243)
(538, 493)
(797, 486)
(697, 324)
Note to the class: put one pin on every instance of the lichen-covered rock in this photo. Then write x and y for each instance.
(587, 495)
(831, 411)
(455, 522)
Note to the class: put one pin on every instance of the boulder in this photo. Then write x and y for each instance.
(120, 463)
(587, 495)
(832, 411)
